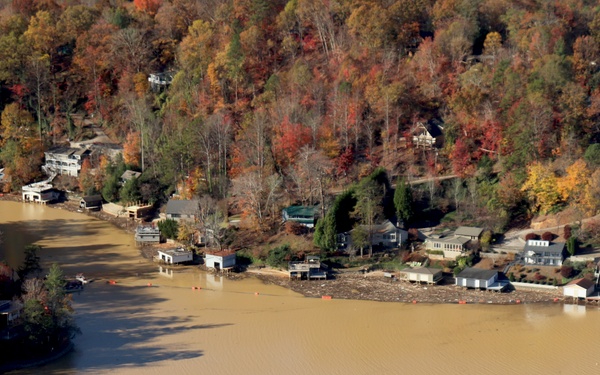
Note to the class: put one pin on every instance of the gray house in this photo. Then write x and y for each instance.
(544, 253)
(182, 209)
(480, 279)
(452, 246)
(385, 236)
(472, 233)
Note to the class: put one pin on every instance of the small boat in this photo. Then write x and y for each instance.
(81, 278)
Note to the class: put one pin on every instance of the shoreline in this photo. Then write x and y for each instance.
(353, 285)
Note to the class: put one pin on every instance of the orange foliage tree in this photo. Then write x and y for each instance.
(131, 149)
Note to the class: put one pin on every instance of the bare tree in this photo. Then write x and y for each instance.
(256, 194)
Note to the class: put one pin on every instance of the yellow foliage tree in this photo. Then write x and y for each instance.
(541, 188)
(573, 185)
(591, 196)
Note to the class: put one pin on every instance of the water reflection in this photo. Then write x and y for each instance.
(166, 272)
(574, 310)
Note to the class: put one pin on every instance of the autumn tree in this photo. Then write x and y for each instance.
(541, 188)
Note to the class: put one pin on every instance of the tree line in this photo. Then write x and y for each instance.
(278, 102)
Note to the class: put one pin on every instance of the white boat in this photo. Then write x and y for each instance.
(80, 277)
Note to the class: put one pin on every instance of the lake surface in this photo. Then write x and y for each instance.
(246, 327)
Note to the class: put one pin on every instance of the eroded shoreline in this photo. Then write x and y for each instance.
(354, 285)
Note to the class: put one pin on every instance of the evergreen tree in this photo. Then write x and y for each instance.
(403, 201)
(31, 264)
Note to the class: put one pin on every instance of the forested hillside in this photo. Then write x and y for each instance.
(276, 102)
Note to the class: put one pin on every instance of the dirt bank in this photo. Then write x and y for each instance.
(376, 287)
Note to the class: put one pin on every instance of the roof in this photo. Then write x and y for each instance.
(553, 247)
(453, 240)
(220, 253)
(468, 231)
(422, 270)
(178, 251)
(384, 227)
(187, 207)
(583, 283)
(92, 198)
(477, 274)
(129, 174)
(433, 127)
(301, 211)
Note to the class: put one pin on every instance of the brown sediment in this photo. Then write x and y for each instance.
(376, 287)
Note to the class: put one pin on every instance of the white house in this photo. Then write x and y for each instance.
(175, 256)
(219, 259)
(580, 288)
(544, 253)
(65, 161)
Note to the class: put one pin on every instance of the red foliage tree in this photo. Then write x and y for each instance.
(148, 6)
(288, 141)
(547, 236)
(345, 160)
(567, 232)
(531, 236)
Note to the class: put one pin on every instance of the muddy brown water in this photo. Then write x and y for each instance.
(246, 327)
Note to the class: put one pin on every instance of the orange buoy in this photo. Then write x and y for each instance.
(414, 301)
(556, 300)
(149, 284)
(462, 302)
(256, 293)
(518, 301)
(326, 297)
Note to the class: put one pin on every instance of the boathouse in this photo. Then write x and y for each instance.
(422, 275)
(309, 269)
(579, 288)
(91, 202)
(220, 260)
(39, 192)
(175, 256)
(146, 234)
(480, 279)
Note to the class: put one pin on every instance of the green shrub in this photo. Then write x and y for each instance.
(279, 256)
(168, 228)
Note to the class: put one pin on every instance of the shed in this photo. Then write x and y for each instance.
(580, 288)
(422, 275)
(175, 256)
(219, 259)
(91, 202)
(478, 278)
